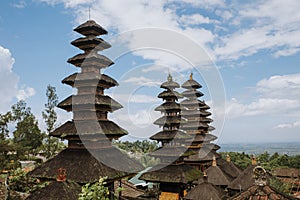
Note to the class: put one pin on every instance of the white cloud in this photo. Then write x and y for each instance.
(20, 4)
(288, 125)
(9, 88)
(194, 19)
(142, 81)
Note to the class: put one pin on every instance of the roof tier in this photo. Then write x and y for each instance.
(229, 168)
(195, 126)
(170, 84)
(105, 127)
(90, 79)
(216, 176)
(171, 174)
(91, 43)
(57, 190)
(89, 101)
(192, 93)
(193, 103)
(168, 135)
(90, 59)
(85, 166)
(191, 113)
(170, 120)
(191, 83)
(202, 155)
(202, 138)
(170, 94)
(244, 180)
(172, 152)
(205, 191)
(168, 106)
(90, 28)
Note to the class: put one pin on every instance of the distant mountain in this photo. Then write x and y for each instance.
(258, 148)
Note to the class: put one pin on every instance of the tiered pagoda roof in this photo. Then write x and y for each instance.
(89, 154)
(197, 126)
(172, 174)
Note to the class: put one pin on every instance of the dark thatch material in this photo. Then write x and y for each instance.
(172, 174)
(229, 168)
(287, 172)
(129, 190)
(192, 102)
(190, 113)
(94, 100)
(266, 192)
(168, 106)
(168, 135)
(205, 107)
(90, 128)
(57, 190)
(205, 191)
(91, 42)
(90, 28)
(191, 84)
(217, 177)
(172, 151)
(202, 155)
(194, 126)
(202, 138)
(83, 166)
(170, 94)
(244, 180)
(90, 59)
(170, 120)
(93, 79)
(191, 93)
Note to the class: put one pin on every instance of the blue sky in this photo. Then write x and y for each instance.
(244, 53)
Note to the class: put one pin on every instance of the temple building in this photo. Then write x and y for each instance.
(174, 177)
(90, 154)
(197, 126)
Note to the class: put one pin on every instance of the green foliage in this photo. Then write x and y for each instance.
(138, 146)
(20, 182)
(95, 191)
(49, 115)
(279, 186)
(241, 160)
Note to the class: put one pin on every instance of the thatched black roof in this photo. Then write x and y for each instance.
(99, 102)
(205, 191)
(106, 127)
(265, 192)
(195, 125)
(244, 180)
(168, 106)
(192, 93)
(83, 166)
(216, 176)
(170, 135)
(170, 120)
(91, 42)
(170, 94)
(172, 151)
(90, 28)
(90, 59)
(191, 84)
(93, 80)
(192, 102)
(203, 155)
(192, 113)
(229, 168)
(57, 190)
(171, 174)
(170, 84)
(202, 138)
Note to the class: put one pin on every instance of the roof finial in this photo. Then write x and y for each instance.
(228, 159)
(89, 12)
(214, 162)
(191, 76)
(169, 76)
(205, 177)
(254, 162)
(61, 175)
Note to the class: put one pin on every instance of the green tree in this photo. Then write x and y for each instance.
(5, 147)
(27, 136)
(50, 117)
(95, 191)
